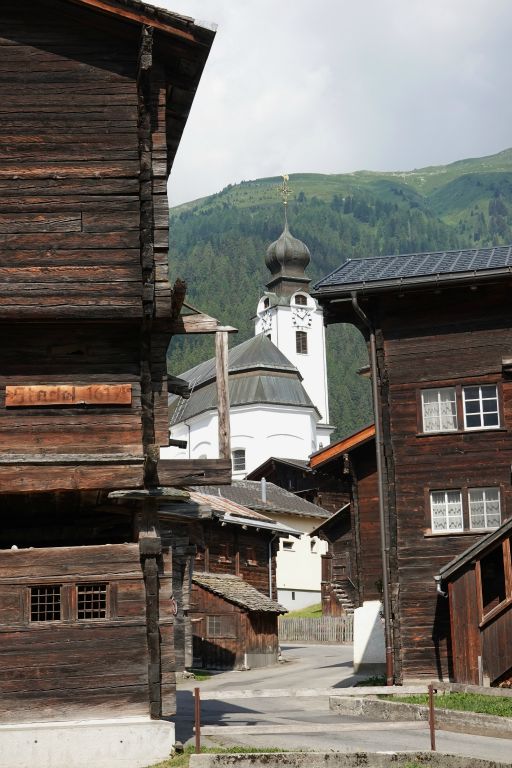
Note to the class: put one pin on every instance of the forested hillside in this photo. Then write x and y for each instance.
(218, 245)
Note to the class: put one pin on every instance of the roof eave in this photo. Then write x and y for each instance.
(344, 291)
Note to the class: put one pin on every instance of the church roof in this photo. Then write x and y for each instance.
(258, 373)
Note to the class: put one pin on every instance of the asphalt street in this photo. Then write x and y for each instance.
(306, 722)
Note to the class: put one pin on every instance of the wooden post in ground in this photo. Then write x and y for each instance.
(431, 717)
(221, 358)
(197, 719)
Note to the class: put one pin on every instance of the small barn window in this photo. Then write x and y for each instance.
(238, 460)
(484, 507)
(301, 300)
(220, 626)
(301, 342)
(45, 603)
(439, 409)
(481, 407)
(492, 573)
(446, 509)
(91, 601)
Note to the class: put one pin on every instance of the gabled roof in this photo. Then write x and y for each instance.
(386, 272)
(230, 512)
(335, 450)
(258, 373)
(324, 527)
(474, 551)
(150, 15)
(236, 590)
(248, 493)
(301, 465)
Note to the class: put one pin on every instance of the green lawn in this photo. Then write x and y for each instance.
(465, 702)
(310, 612)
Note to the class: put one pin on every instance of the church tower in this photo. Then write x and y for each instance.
(293, 320)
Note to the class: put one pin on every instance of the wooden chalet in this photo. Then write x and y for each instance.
(479, 590)
(352, 567)
(439, 334)
(94, 99)
(233, 607)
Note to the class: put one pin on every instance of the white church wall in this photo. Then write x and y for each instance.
(260, 430)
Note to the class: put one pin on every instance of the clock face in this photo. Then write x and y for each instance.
(301, 317)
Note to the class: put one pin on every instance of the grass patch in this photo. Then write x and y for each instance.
(463, 702)
(309, 612)
(200, 674)
(182, 761)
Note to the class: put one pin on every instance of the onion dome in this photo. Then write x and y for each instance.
(287, 259)
(287, 255)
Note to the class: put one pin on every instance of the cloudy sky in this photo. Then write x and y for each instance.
(333, 86)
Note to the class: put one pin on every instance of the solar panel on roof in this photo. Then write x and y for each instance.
(376, 269)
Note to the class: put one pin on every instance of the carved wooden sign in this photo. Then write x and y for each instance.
(34, 396)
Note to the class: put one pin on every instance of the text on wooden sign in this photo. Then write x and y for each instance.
(33, 396)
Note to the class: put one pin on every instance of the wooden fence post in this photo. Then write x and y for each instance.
(197, 718)
(431, 717)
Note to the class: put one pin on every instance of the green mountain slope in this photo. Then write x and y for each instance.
(218, 245)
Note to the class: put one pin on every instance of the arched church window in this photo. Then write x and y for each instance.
(266, 303)
(301, 300)
(238, 460)
(301, 342)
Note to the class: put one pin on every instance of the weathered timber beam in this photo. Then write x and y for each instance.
(60, 459)
(141, 17)
(198, 323)
(178, 294)
(28, 478)
(194, 472)
(221, 364)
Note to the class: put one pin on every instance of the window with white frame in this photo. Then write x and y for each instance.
(238, 460)
(484, 508)
(481, 406)
(446, 511)
(439, 408)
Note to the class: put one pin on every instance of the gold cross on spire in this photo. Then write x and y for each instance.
(285, 192)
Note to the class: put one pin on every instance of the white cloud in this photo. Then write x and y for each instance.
(336, 85)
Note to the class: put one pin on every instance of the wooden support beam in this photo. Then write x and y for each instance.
(221, 361)
(198, 323)
(194, 472)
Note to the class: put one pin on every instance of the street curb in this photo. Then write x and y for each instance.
(339, 760)
(445, 719)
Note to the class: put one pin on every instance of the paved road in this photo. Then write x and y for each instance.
(307, 723)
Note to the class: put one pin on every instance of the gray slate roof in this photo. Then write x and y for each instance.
(237, 591)
(278, 381)
(416, 268)
(248, 493)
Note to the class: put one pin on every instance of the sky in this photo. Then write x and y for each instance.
(335, 86)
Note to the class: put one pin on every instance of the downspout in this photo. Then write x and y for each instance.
(384, 548)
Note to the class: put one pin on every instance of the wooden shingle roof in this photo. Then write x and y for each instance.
(235, 590)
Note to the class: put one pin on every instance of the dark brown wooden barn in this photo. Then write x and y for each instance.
(234, 625)
(439, 334)
(479, 586)
(94, 99)
(352, 567)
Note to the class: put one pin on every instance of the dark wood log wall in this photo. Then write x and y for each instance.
(365, 522)
(230, 549)
(452, 337)
(223, 649)
(73, 668)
